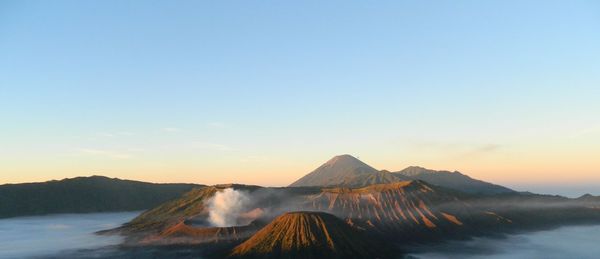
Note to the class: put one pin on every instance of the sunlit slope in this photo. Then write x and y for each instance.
(192, 203)
(182, 233)
(410, 210)
(308, 235)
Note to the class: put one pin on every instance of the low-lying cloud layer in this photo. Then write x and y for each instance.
(566, 242)
(47, 236)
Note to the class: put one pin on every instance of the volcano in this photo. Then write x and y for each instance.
(308, 235)
(348, 171)
(345, 171)
(353, 205)
(402, 210)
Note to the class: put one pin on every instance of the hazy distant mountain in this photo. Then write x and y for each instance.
(339, 171)
(347, 171)
(84, 194)
(454, 180)
(590, 200)
(588, 197)
(308, 235)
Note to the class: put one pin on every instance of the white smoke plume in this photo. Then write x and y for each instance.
(226, 206)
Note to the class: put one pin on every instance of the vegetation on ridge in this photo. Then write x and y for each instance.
(84, 195)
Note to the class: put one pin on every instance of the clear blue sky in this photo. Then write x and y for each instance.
(198, 91)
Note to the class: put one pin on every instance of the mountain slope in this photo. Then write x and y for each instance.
(308, 235)
(190, 206)
(347, 171)
(335, 172)
(403, 207)
(84, 194)
(407, 212)
(379, 177)
(454, 180)
(183, 233)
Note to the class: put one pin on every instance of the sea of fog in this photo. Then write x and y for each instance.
(72, 236)
(567, 242)
(41, 236)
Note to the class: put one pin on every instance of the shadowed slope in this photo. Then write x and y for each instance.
(85, 195)
(308, 235)
(454, 180)
(380, 177)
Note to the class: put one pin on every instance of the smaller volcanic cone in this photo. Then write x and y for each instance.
(309, 235)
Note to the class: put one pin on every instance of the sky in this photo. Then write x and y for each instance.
(263, 92)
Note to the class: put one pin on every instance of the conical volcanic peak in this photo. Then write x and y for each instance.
(346, 160)
(336, 171)
(308, 235)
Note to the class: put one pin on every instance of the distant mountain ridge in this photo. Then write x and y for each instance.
(84, 195)
(348, 171)
(453, 180)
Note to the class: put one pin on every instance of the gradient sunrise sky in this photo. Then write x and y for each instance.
(263, 92)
